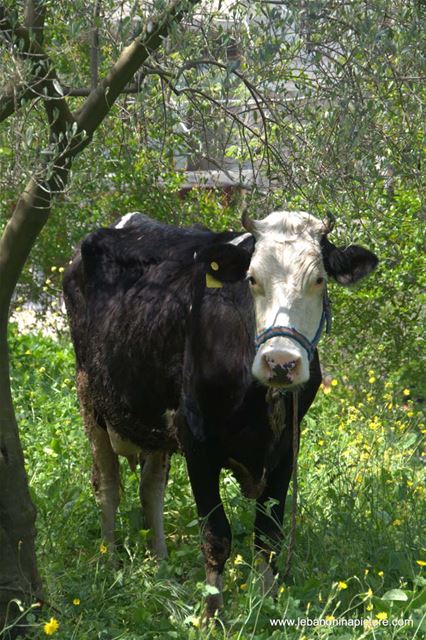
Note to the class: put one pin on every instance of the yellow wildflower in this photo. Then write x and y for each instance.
(382, 615)
(421, 563)
(330, 618)
(369, 593)
(342, 585)
(51, 627)
(369, 607)
(103, 548)
(410, 414)
(61, 269)
(281, 589)
(381, 573)
(53, 268)
(366, 572)
(76, 601)
(372, 380)
(321, 443)
(397, 523)
(334, 382)
(243, 586)
(195, 621)
(406, 392)
(239, 559)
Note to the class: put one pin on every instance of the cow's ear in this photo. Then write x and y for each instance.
(347, 265)
(224, 262)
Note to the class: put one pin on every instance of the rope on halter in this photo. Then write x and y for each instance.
(292, 537)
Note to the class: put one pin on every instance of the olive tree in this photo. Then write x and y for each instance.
(69, 134)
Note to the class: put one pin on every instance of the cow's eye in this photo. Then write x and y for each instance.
(320, 280)
(251, 280)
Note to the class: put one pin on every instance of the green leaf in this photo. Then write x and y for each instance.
(58, 87)
(209, 590)
(395, 594)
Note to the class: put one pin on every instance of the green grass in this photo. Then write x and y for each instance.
(360, 528)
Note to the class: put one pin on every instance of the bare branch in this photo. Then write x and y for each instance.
(132, 58)
(26, 43)
(94, 48)
(35, 13)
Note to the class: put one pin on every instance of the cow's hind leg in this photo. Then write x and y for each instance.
(154, 473)
(105, 469)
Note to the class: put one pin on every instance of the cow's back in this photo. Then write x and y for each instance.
(128, 294)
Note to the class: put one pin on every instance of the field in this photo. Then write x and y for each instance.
(360, 557)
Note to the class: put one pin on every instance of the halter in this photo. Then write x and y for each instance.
(290, 332)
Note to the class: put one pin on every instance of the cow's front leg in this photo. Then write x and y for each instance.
(268, 522)
(204, 473)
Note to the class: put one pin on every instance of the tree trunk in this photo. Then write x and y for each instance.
(19, 578)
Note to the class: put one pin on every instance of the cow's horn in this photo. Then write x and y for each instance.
(247, 222)
(329, 223)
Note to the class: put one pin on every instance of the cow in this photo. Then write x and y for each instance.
(193, 341)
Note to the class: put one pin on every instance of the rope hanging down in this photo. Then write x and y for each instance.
(292, 537)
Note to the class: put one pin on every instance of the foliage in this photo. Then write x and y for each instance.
(325, 101)
(359, 536)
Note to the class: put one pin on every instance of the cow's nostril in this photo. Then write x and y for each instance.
(282, 367)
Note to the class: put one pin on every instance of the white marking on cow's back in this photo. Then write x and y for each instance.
(239, 239)
(125, 219)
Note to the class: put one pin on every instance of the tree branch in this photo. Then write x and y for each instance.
(27, 44)
(35, 13)
(33, 207)
(132, 58)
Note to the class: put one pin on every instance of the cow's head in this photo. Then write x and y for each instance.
(288, 276)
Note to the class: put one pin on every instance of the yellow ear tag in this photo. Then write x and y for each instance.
(212, 283)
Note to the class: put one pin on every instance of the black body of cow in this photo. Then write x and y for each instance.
(149, 337)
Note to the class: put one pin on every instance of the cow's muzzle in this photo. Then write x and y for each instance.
(281, 368)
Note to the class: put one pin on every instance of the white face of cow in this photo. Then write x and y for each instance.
(287, 279)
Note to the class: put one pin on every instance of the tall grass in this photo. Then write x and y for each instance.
(360, 550)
